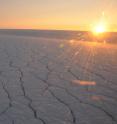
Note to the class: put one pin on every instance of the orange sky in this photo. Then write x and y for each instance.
(57, 14)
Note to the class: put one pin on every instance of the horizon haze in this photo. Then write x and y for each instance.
(57, 15)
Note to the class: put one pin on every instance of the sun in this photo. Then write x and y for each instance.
(99, 28)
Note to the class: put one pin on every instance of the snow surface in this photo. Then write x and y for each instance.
(57, 80)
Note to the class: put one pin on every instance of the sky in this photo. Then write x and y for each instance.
(57, 14)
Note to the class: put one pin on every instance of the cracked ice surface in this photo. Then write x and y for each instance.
(51, 81)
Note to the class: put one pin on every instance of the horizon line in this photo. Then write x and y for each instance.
(52, 30)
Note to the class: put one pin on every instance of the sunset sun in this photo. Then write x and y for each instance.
(99, 28)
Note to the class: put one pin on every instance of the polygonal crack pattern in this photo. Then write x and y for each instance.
(48, 81)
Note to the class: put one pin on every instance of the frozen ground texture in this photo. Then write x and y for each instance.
(53, 81)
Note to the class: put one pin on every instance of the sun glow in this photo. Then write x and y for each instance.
(99, 28)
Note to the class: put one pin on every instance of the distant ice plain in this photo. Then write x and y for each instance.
(57, 77)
